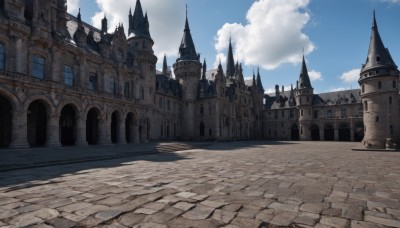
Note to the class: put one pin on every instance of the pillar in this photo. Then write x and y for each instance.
(53, 131)
(121, 133)
(80, 138)
(336, 130)
(104, 136)
(136, 138)
(19, 130)
(352, 133)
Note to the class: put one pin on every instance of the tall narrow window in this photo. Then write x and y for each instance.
(2, 57)
(379, 85)
(315, 114)
(126, 90)
(390, 100)
(68, 76)
(343, 112)
(366, 105)
(362, 88)
(283, 113)
(142, 93)
(113, 86)
(93, 81)
(394, 84)
(37, 66)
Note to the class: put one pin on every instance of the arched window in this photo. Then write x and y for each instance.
(113, 86)
(2, 57)
(37, 66)
(201, 128)
(92, 81)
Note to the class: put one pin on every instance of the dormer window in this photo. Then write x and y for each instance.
(378, 58)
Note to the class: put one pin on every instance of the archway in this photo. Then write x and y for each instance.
(329, 133)
(129, 122)
(315, 133)
(344, 133)
(201, 128)
(92, 126)
(294, 132)
(115, 119)
(67, 125)
(5, 122)
(37, 124)
(358, 132)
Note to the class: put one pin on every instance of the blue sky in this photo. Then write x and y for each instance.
(267, 33)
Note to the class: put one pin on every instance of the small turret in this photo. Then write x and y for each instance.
(187, 50)
(230, 62)
(165, 66)
(104, 25)
(259, 83)
(203, 75)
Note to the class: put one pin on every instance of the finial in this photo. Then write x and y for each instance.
(186, 11)
(79, 14)
(374, 26)
(130, 10)
(105, 16)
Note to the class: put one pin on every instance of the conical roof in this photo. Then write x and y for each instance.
(304, 79)
(230, 62)
(187, 50)
(139, 23)
(259, 83)
(378, 55)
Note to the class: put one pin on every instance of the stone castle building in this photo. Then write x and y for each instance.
(64, 82)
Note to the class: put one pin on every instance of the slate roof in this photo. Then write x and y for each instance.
(168, 86)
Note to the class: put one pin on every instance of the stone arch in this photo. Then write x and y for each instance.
(93, 117)
(6, 111)
(344, 132)
(11, 98)
(115, 120)
(38, 113)
(329, 132)
(315, 132)
(48, 103)
(74, 103)
(358, 131)
(68, 124)
(131, 124)
(294, 132)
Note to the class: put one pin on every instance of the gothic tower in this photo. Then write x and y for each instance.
(304, 100)
(187, 69)
(379, 79)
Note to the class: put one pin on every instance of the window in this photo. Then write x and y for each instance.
(343, 112)
(93, 81)
(308, 99)
(37, 66)
(379, 85)
(362, 88)
(366, 105)
(301, 112)
(142, 93)
(378, 58)
(283, 113)
(390, 100)
(210, 132)
(201, 109)
(377, 119)
(394, 84)
(291, 114)
(2, 57)
(391, 129)
(160, 103)
(315, 114)
(68, 76)
(113, 86)
(168, 105)
(329, 113)
(126, 89)
(276, 114)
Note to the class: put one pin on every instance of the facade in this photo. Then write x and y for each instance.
(64, 82)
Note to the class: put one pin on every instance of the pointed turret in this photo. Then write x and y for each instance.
(165, 66)
(138, 22)
(304, 79)
(240, 73)
(130, 17)
(79, 16)
(203, 76)
(104, 25)
(230, 62)
(187, 50)
(138, 17)
(254, 80)
(259, 83)
(378, 55)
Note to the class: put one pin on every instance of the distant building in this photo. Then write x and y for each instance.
(64, 82)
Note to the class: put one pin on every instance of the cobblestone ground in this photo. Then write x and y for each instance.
(241, 184)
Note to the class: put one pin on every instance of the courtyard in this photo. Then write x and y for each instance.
(226, 184)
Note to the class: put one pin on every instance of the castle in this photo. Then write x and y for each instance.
(64, 82)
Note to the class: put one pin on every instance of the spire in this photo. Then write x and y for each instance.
(220, 70)
(130, 19)
(230, 62)
(259, 83)
(378, 55)
(304, 80)
(104, 25)
(139, 23)
(165, 66)
(187, 50)
(240, 73)
(203, 76)
(254, 80)
(79, 15)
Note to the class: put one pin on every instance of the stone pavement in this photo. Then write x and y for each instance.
(235, 184)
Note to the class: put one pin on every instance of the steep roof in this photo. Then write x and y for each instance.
(304, 79)
(138, 23)
(187, 50)
(230, 63)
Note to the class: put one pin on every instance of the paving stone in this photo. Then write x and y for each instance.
(145, 211)
(61, 222)
(362, 224)
(352, 212)
(311, 207)
(6, 200)
(131, 219)
(334, 221)
(199, 197)
(284, 207)
(185, 194)
(332, 212)
(159, 217)
(45, 213)
(378, 214)
(213, 204)
(74, 207)
(245, 222)
(184, 223)
(107, 215)
(223, 216)
(72, 217)
(184, 206)
(232, 207)
(247, 213)
(55, 203)
(283, 219)
(307, 218)
(28, 208)
(155, 206)
(382, 221)
(199, 212)
(266, 215)
(111, 201)
(131, 205)
(8, 213)
(89, 222)
(150, 225)
(394, 212)
(42, 225)
(25, 220)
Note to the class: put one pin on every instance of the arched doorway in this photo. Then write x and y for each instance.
(294, 132)
(92, 126)
(67, 125)
(314, 133)
(129, 122)
(329, 133)
(115, 119)
(5, 122)
(344, 132)
(201, 129)
(358, 132)
(37, 124)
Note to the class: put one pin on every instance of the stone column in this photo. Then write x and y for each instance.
(53, 131)
(19, 131)
(104, 135)
(321, 134)
(121, 133)
(336, 130)
(135, 132)
(80, 139)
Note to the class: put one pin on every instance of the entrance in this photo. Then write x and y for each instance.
(114, 127)
(315, 133)
(5, 122)
(92, 126)
(329, 133)
(37, 124)
(129, 128)
(359, 132)
(344, 133)
(295, 133)
(201, 128)
(68, 125)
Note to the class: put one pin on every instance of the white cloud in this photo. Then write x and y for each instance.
(315, 75)
(166, 19)
(73, 6)
(392, 1)
(338, 89)
(272, 90)
(350, 76)
(272, 36)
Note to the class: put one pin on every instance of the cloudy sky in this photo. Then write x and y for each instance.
(270, 34)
